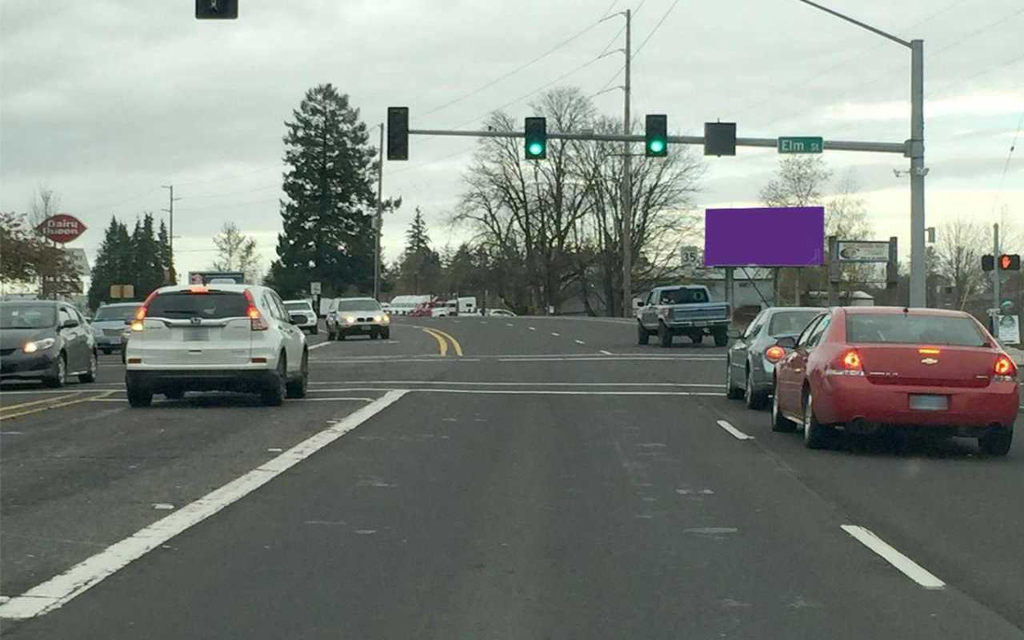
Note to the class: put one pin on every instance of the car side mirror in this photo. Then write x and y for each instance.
(296, 319)
(789, 342)
(69, 324)
(638, 304)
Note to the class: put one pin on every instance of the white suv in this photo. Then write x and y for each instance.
(224, 337)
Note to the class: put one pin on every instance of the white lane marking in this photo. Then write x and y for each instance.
(367, 361)
(736, 433)
(556, 334)
(317, 346)
(607, 353)
(456, 383)
(560, 392)
(908, 567)
(60, 589)
(163, 506)
(606, 359)
(339, 399)
(509, 324)
(45, 392)
(580, 342)
(533, 328)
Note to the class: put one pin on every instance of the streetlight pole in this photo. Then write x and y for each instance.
(170, 230)
(918, 171)
(377, 219)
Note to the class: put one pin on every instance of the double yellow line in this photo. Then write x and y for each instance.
(37, 406)
(442, 346)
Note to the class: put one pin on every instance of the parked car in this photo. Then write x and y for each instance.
(404, 305)
(682, 310)
(109, 324)
(422, 310)
(443, 309)
(304, 308)
(929, 371)
(503, 313)
(358, 316)
(45, 340)
(231, 337)
(750, 363)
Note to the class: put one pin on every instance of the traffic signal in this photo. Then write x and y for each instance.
(398, 133)
(1009, 262)
(656, 136)
(536, 130)
(216, 9)
(719, 138)
(988, 263)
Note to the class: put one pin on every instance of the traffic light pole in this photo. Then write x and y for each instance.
(995, 272)
(377, 219)
(627, 187)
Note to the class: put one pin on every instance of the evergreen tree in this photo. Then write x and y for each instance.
(163, 239)
(104, 267)
(330, 198)
(420, 268)
(148, 263)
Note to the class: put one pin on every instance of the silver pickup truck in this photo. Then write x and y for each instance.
(684, 310)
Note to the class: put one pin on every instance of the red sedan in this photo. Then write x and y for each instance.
(861, 369)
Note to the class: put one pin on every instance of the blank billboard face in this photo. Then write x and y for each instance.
(765, 237)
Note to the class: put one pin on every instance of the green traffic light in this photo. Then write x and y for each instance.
(535, 148)
(657, 146)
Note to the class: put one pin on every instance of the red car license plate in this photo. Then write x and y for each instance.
(929, 403)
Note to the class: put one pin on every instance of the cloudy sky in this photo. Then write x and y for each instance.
(105, 100)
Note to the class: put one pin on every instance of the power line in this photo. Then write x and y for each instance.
(978, 32)
(655, 29)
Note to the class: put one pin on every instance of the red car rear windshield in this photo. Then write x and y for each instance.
(185, 305)
(913, 329)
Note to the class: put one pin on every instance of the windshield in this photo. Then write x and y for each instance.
(683, 296)
(913, 329)
(790, 322)
(27, 316)
(298, 306)
(107, 314)
(358, 305)
(209, 306)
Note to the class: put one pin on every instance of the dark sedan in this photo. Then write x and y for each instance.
(751, 360)
(45, 340)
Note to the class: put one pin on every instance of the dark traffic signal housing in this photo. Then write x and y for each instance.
(216, 9)
(719, 138)
(398, 133)
(1009, 262)
(988, 263)
(536, 134)
(656, 136)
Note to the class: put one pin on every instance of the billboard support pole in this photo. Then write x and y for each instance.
(833, 271)
(798, 272)
(729, 287)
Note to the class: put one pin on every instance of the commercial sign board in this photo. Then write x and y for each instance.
(862, 251)
(765, 237)
(61, 228)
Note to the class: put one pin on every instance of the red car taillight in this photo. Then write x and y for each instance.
(851, 361)
(848, 364)
(774, 353)
(256, 319)
(1004, 369)
(140, 313)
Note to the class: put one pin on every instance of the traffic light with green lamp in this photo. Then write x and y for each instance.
(536, 133)
(656, 136)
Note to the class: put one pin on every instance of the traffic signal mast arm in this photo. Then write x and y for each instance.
(831, 145)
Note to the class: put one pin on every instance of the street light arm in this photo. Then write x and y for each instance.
(858, 23)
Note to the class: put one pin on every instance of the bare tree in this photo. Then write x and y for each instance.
(798, 183)
(957, 255)
(236, 252)
(45, 203)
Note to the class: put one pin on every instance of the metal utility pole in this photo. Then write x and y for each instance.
(377, 222)
(915, 151)
(170, 227)
(995, 272)
(627, 185)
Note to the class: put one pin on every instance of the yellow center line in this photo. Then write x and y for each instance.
(442, 346)
(455, 343)
(56, 406)
(22, 405)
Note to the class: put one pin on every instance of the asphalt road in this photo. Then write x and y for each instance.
(544, 478)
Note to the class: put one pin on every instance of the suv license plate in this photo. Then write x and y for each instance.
(197, 335)
(929, 403)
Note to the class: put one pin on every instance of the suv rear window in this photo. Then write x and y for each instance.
(298, 306)
(185, 305)
(105, 314)
(913, 329)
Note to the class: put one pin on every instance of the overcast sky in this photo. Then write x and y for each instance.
(105, 101)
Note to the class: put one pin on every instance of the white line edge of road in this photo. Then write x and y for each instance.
(318, 345)
(457, 383)
(60, 589)
(736, 433)
(908, 567)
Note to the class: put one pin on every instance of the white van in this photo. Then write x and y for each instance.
(402, 305)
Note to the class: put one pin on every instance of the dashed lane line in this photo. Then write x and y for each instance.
(908, 567)
(736, 433)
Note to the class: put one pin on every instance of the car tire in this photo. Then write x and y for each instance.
(340, 336)
(90, 375)
(816, 435)
(59, 377)
(664, 336)
(996, 442)
(386, 334)
(721, 338)
(642, 337)
(330, 336)
(780, 423)
(732, 392)
(139, 396)
(174, 394)
(374, 334)
(315, 330)
(274, 393)
(297, 387)
(755, 399)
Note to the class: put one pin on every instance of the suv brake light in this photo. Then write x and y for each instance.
(256, 319)
(1004, 369)
(774, 353)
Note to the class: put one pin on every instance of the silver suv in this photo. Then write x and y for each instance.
(358, 316)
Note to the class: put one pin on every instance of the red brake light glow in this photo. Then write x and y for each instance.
(775, 353)
(1005, 368)
(255, 317)
(851, 361)
(198, 288)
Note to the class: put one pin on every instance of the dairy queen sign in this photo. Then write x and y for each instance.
(61, 228)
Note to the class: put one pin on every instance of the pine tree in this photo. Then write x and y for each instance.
(148, 264)
(163, 239)
(327, 214)
(420, 267)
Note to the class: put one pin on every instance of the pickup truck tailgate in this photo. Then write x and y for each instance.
(700, 312)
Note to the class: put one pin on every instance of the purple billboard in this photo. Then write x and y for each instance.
(765, 237)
